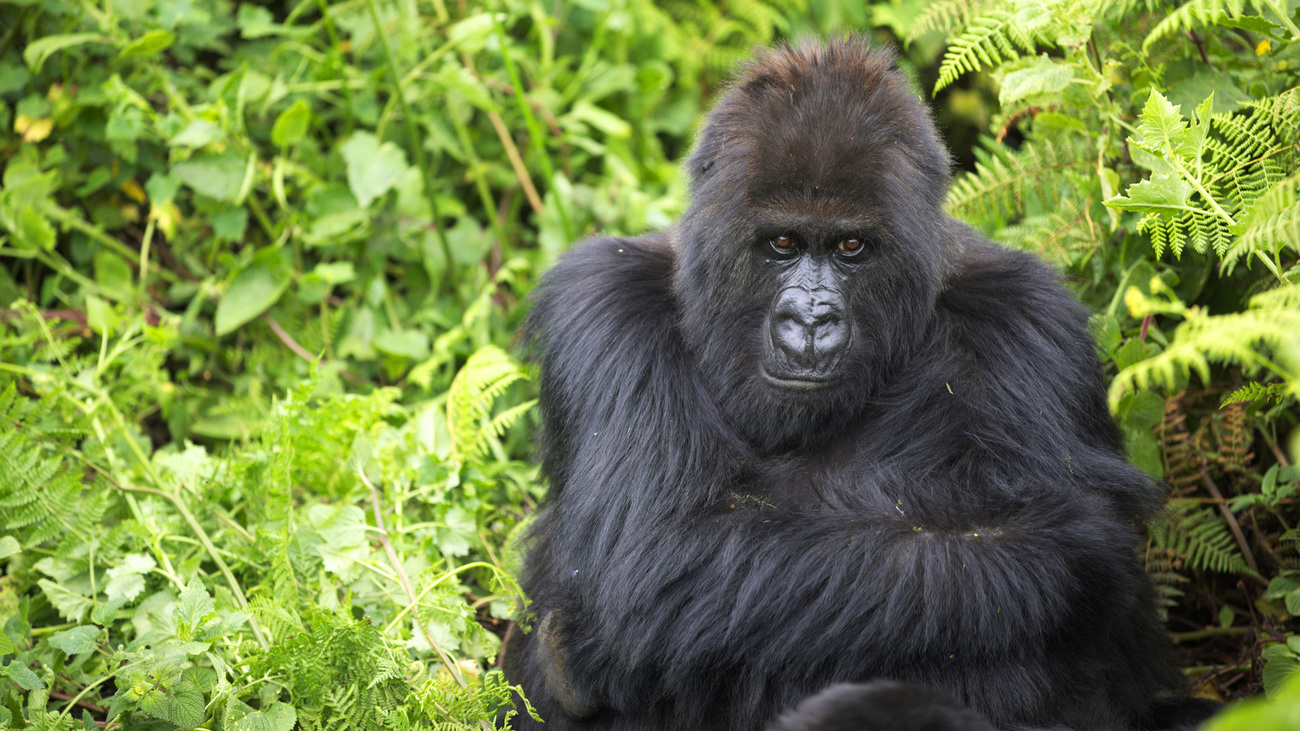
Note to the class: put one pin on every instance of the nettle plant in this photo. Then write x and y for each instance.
(1150, 150)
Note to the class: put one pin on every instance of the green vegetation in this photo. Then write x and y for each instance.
(263, 452)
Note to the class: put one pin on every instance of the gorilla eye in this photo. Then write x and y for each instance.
(850, 247)
(783, 245)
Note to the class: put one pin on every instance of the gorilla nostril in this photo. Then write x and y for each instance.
(793, 337)
(831, 337)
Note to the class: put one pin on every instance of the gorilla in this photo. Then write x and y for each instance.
(821, 438)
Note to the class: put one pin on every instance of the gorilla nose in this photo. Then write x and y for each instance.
(809, 331)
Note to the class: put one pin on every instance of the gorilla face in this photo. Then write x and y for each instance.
(810, 257)
(809, 331)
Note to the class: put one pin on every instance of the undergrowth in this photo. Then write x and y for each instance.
(263, 450)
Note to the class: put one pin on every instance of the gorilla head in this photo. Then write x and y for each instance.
(811, 253)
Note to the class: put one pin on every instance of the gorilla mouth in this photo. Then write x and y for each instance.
(800, 382)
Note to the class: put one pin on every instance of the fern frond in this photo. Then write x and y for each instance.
(41, 492)
(1002, 182)
(946, 16)
(988, 40)
(1199, 537)
(1202, 229)
(1191, 15)
(1056, 235)
(1164, 567)
(1256, 392)
(486, 375)
(1264, 336)
(1271, 224)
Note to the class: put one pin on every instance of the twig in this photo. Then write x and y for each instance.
(512, 152)
(1208, 633)
(1233, 525)
(1207, 669)
(302, 352)
(402, 578)
(84, 704)
(288, 340)
(49, 315)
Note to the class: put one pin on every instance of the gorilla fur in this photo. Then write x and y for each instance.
(940, 498)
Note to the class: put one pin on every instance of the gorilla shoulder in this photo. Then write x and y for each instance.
(602, 282)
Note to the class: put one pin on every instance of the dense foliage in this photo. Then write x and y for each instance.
(264, 450)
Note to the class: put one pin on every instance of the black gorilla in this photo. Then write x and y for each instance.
(821, 433)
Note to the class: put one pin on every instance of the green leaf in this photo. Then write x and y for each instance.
(339, 525)
(181, 704)
(1221, 85)
(1105, 331)
(1144, 411)
(33, 231)
(1254, 24)
(223, 625)
(462, 86)
(230, 224)
(1161, 124)
(9, 546)
(372, 167)
(291, 125)
(100, 316)
(1279, 664)
(275, 717)
(1045, 77)
(22, 675)
(39, 50)
(611, 124)
(113, 276)
(6, 647)
(149, 44)
(76, 640)
(193, 609)
(1163, 193)
(471, 34)
(198, 133)
(254, 21)
(126, 580)
(411, 344)
(216, 176)
(70, 604)
(251, 293)
(457, 537)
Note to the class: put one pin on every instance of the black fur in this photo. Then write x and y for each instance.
(880, 706)
(955, 512)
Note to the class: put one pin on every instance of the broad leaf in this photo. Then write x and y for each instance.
(372, 167)
(76, 640)
(251, 293)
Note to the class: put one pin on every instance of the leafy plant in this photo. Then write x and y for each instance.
(1150, 150)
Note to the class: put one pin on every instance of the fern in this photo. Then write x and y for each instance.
(1193, 14)
(1271, 225)
(1001, 183)
(1266, 336)
(946, 16)
(1163, 566)
(486, 375)
(1201, 229)
(41, 494)
(988, 40)
(1197, 536)
(1057, 235)
(1256, 392)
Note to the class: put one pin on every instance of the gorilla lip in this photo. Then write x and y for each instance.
(799, 384)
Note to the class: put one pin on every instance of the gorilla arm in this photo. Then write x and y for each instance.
(667, 582)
